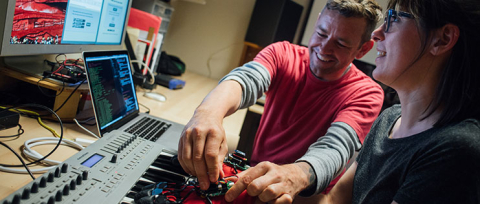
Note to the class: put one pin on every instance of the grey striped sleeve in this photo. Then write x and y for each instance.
(330, 154)
(254, 79)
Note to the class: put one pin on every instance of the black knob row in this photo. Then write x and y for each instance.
(43, 183)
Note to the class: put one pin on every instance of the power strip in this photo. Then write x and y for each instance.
(8, 119)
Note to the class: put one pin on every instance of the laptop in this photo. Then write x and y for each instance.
(115, 103)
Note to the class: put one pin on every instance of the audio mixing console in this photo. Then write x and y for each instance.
(111, 170)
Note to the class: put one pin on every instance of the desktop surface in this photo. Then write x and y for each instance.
(178, 107)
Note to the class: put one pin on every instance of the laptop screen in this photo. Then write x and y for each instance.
(111, 87)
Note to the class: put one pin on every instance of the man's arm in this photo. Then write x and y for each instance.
(322, 162)
(270, 182)
(203, 140)
(202, 145)
(254, 79)
(329, 155)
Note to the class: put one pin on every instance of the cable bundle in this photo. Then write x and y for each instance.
(34, 155)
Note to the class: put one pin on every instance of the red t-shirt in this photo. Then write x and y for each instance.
(300, 108)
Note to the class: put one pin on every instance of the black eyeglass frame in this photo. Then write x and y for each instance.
(394, 14)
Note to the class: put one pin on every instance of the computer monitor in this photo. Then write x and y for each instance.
(32, 27)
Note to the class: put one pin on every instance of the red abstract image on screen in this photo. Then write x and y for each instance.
(38, 21)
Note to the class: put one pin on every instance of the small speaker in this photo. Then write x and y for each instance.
(273, 21)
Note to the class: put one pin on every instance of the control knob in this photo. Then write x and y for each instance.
(58, 196)
(34, 187)
(43, 182)
(114, 158)
(50, 177)
(64, 168)
(26, 193)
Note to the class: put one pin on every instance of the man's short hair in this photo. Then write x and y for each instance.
(370, 10)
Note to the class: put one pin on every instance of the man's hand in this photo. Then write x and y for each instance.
(202, 148)
(271, 182)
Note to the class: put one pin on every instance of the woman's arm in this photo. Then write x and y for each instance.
(343, 190)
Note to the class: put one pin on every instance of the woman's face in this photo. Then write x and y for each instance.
(397, 49)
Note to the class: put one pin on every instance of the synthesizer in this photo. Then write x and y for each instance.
(111, 170)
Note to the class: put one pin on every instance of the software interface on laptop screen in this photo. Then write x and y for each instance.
(112, 88)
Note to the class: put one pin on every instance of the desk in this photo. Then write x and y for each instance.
(179, 108)
(68, 111)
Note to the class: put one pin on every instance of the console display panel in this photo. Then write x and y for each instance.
(94, 159)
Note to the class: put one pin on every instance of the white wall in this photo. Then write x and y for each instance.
(303, 19)
(312, 18)
(209, 38)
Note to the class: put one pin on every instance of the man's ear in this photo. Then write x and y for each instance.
(367, 46)
(444, 39)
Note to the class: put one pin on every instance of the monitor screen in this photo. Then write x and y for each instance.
(32, 27)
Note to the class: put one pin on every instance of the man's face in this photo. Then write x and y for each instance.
(335, 43)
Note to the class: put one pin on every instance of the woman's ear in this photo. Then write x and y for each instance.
(444, 39)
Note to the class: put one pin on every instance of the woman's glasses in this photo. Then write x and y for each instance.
(392, 17)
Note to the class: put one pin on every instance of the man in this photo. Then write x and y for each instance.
(317, 100)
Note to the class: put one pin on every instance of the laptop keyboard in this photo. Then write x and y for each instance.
(148, 128)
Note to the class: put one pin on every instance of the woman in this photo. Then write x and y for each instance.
(426, 150)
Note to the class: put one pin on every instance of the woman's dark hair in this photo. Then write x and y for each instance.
(458, 91)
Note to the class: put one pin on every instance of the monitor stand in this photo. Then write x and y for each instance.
(33, 65)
